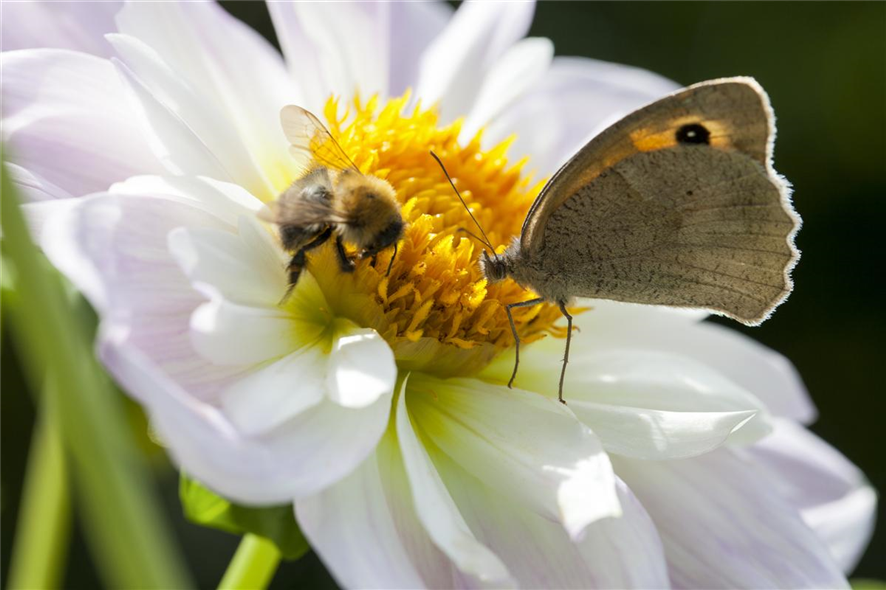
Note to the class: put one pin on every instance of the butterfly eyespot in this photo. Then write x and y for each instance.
(694, 133)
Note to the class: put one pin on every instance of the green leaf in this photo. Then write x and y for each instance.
(275, 523)
(867, 584)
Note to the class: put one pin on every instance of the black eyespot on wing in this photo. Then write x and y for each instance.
(694, 133)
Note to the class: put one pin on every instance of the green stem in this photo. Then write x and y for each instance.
(43, 530)
(128, 535)
(253, 565)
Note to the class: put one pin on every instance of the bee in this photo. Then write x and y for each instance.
(332, 198)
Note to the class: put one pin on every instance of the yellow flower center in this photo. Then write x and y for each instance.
(436, 309)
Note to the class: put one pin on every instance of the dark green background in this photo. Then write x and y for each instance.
(824, 66)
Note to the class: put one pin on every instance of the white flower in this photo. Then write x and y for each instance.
(372, 402)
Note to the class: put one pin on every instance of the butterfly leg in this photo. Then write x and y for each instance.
(508, 309)
(297, 263)
(344, 263)
(568, 342)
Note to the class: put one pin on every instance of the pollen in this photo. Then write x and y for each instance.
(435, 308)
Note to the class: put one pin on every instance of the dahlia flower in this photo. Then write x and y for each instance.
(149, 133)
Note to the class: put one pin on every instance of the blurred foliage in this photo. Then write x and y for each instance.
(276, 523)
(824, 66)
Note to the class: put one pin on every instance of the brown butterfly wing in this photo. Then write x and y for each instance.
(643, 215)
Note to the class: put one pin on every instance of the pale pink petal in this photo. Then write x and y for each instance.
(575, 100)
(32, 187)
(725, 524)
(113, 248)
(315, 449)
(66, 121)
(832, 494)
(79, 26)
(454, 66)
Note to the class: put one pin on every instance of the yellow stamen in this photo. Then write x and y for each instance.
(435, 309)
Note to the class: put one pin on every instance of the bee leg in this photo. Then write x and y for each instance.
(345, 263)
(297, 263)
(566, 355)
(508, 309)
(391, 263)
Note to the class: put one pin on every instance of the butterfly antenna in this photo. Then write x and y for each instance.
(473, 235)
(485, 239)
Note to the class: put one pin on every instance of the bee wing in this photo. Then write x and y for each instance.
(269, 212)
(311, 141)
(303, 213)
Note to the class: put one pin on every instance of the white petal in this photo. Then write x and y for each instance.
(275, 394)
(588, 95)
(66, 121)
(229, 334)
(619, 552)
(245, 268)
(518, 70)
(79, 26)
(724, 524)
(173, 143)
(417, 25)
(335, 50)
(228, 202)
(766, 374)
(525, 445)
(230, 64)
(832, 494)
(454, 65)
(641, 403)
(312, 451)
(365, 529)
(657, 434)
(343, 49)
(361, 369)
(196, 109)
(438, 512)
(357, 372)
